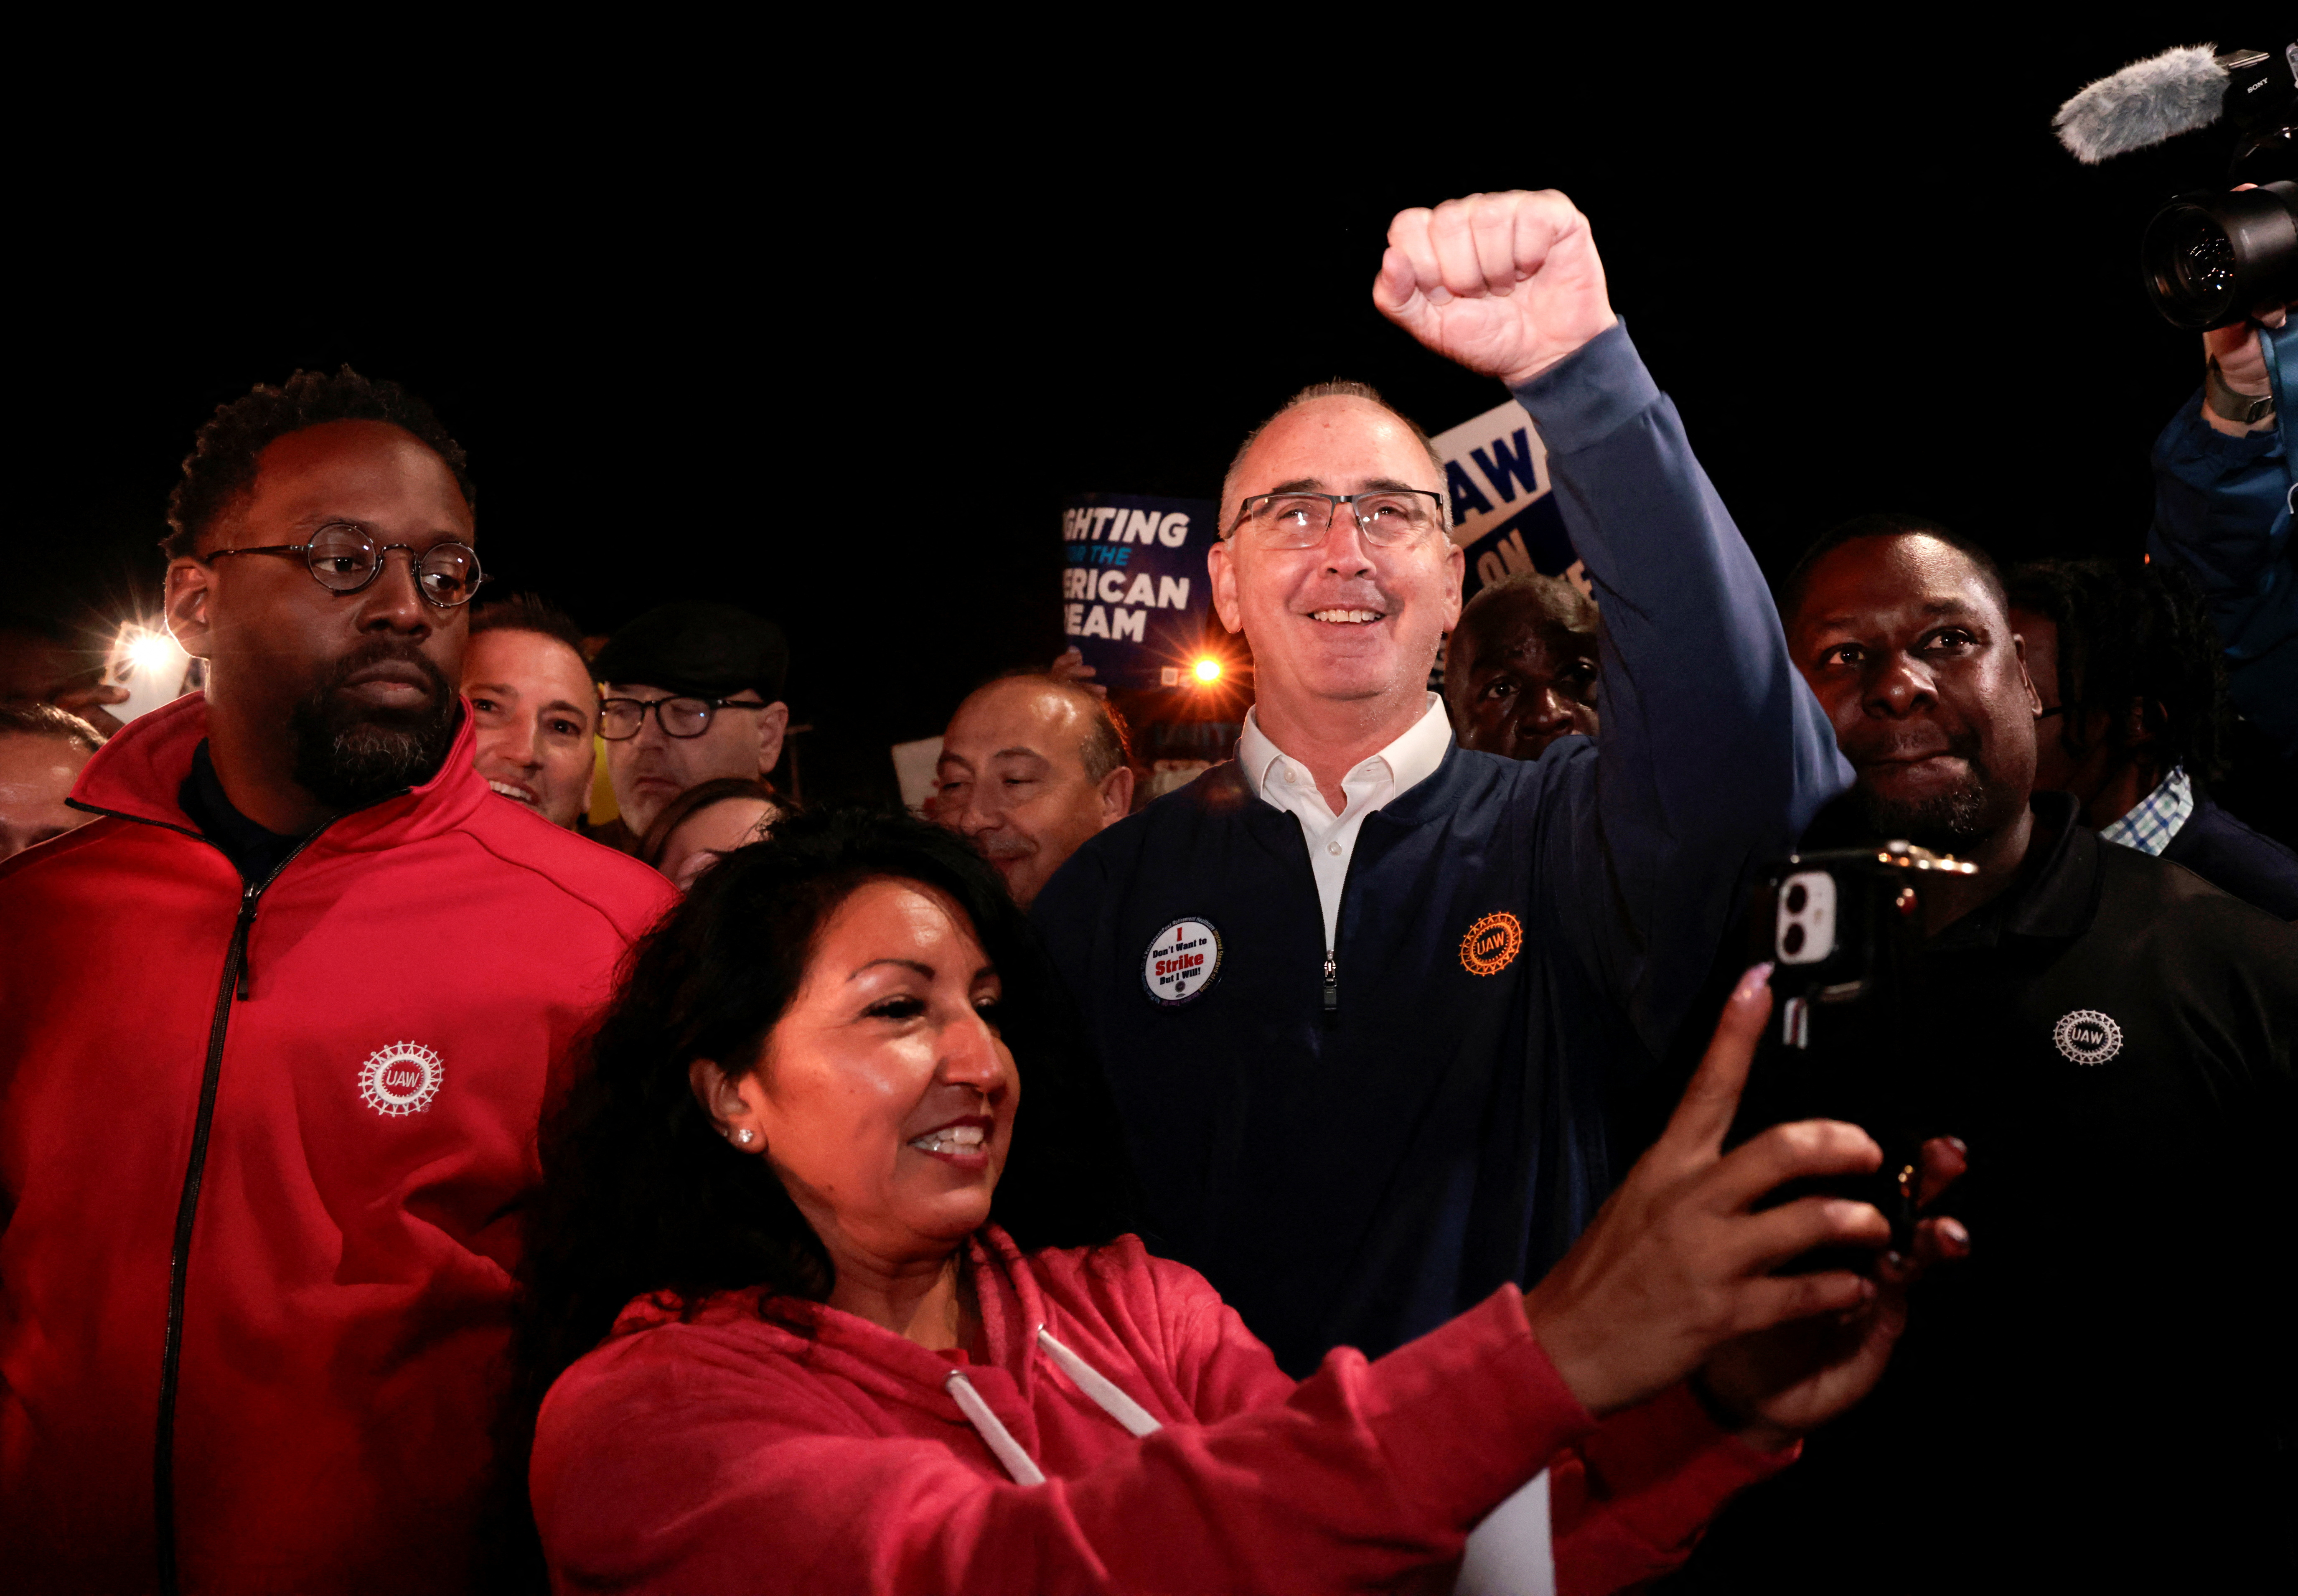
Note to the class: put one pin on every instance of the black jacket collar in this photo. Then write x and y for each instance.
(2055, 896)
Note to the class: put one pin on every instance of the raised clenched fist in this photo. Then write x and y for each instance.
(1505, 284)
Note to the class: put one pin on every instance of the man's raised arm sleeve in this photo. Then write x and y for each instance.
(1713, 756)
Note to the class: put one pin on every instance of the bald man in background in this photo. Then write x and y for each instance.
(1031, 767)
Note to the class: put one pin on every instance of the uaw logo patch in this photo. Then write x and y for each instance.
(400, 1079)
(2088, 1036)
(1491, 944)
(1181, 963)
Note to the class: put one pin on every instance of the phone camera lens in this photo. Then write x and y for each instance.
(1793, 941)
(1797, 898)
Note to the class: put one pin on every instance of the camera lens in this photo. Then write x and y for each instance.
(1792, 942)
(2210, 260)
(1797, 898)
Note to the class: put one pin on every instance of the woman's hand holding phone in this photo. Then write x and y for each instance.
(1779, 1384)
(1678, 1265)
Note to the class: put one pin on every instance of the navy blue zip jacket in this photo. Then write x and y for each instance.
(1354, 1163)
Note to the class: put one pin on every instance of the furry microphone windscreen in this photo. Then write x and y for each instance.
(2145, 102)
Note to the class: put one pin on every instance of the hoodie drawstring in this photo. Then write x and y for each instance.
(1099, 1386)
(1090, 1380)
(994, 1435)
(1510, 1551)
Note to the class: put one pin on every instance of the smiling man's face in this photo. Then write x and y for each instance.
(1341, 621)
(534, 711)
(1909, 650)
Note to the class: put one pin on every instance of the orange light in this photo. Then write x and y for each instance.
(1207, 670)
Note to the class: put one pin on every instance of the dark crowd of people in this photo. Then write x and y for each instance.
(463, 1127)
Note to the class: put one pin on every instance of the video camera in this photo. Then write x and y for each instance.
(2208, 260)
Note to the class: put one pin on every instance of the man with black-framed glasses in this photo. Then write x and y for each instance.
(693, 693)
(275, 1031)
(1363, 994)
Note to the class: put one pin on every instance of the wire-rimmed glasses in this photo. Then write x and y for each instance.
(1386, 516)
(344, 557)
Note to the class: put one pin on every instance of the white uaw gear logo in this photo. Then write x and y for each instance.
(400, 1079)
(2088, 1036)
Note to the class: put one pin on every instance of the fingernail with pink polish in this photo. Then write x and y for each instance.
(1753, 981)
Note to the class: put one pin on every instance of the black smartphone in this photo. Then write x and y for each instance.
(1842, 929)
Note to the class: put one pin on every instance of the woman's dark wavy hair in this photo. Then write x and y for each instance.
(640, 1192)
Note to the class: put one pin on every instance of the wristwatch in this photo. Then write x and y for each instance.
(2232, 403)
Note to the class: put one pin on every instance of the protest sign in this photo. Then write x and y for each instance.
(1135, 596)
(1503, 514)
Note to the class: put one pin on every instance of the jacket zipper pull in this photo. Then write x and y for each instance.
(1332, 982)
(241, 940)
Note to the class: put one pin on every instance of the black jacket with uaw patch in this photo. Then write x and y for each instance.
(2100, 1396)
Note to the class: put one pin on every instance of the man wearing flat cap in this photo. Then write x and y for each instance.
(693, 693)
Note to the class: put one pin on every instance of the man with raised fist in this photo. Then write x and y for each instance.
(1358, 991)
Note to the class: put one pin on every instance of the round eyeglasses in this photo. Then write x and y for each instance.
(621, 719)
(1386, 516)
(344, 558)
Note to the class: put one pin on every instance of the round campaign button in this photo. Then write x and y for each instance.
(1182, 961)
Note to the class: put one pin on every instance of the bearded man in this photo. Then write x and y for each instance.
(275, 1030)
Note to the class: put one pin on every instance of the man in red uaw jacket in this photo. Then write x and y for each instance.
(275, 1031)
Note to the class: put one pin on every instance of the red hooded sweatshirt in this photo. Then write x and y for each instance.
(262, 1153)
(740, 1447)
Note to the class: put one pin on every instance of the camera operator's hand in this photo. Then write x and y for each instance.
(1505, 284)
(1677, 1263)
(2239, 354)
(2237, 350)
(1781, 1383)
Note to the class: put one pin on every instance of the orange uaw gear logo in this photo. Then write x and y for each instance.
(1491, 943)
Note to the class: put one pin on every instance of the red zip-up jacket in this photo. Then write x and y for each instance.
(713, 1450)
(263, 1148)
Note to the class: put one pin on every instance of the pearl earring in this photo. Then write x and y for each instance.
(746, 1135)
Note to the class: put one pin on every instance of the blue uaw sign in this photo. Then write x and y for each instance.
(1503, 514)
(1134, 591)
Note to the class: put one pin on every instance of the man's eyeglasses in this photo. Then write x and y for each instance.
(344, 559)
(1386, 516)
(620, 719)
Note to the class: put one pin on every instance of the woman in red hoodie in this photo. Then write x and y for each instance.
(811, 1318)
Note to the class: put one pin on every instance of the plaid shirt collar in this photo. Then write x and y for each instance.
(2156, 818)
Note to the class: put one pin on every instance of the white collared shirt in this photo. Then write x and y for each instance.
(1285, 782)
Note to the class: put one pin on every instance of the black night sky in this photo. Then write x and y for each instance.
(843, 367)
